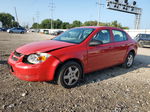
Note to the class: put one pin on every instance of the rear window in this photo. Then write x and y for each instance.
(119, 36)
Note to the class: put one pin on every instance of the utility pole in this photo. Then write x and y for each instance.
(37, 15)
(16, 15)
(33, 20)
(51, 6)
(99, 11)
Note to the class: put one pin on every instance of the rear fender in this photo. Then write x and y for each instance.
(131, 48)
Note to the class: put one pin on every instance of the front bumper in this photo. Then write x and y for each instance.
(33, 72)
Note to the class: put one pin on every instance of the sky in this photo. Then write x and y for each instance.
(70, 10)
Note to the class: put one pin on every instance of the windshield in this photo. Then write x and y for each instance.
(74, 35)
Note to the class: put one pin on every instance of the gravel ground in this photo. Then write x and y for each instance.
(111, 90)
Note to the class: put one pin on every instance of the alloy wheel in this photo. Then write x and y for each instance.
(130, 60)
(71, 75)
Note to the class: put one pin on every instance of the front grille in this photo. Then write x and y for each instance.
(17, 54)
(14, 58)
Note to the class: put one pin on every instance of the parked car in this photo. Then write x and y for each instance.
(17, 30)
(143, 39)
(34, 30)
(72, 54)
(58, 33)
(3, 29)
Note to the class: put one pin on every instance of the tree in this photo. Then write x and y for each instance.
(115, 24)
(90, 23)
(35, 26)
(118, 25)
(58, 24)
(15, 24)
(125, 27)
(46, 23)
(65, 25)
(76, 23)
(8, 20)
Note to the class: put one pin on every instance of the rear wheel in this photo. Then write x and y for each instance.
(129, 60)
(69, 74)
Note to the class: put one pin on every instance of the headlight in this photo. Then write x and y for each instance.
(38, 58)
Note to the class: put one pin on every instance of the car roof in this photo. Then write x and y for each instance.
(143, 34)
(100, 27)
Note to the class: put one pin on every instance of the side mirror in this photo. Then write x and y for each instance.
(95, 43)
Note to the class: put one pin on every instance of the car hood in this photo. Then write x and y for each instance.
(42, 46)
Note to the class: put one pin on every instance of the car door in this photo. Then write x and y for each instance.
(100, 56)
(13, 30)
(16, 30)
(120, 45)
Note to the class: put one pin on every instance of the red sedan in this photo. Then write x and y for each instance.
(73, 53)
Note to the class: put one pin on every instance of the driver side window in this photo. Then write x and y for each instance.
(103, 36)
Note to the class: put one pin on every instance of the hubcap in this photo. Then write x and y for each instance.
(130, 60)
(71, 75)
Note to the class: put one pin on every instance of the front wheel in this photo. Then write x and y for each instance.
(129, 60)
(21, 32)
(69, 74)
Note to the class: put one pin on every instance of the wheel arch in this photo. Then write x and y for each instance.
(133, 51)
(62, 63)
(130, 50)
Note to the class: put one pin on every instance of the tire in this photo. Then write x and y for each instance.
(69, 74)
(129, 61)
(140, 44)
